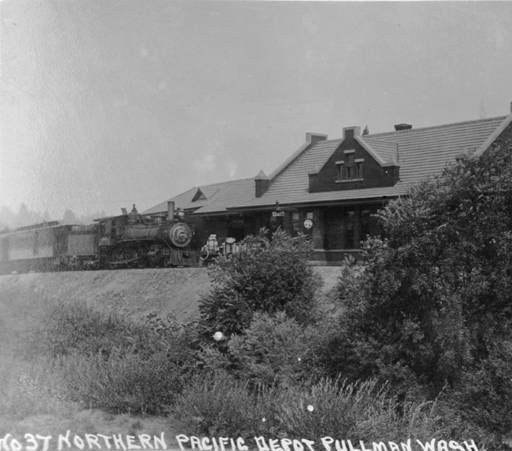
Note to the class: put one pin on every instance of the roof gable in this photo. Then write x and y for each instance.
(419, 152)
(353, 165)
(199, 195)
(487, 143)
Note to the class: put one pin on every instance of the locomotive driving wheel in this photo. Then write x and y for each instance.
(142, 259)
(127, 257)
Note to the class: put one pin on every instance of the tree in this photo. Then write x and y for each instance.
(433, 306)
(24, 216)
(69, 217)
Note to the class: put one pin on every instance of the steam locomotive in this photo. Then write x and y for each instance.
(129, 240)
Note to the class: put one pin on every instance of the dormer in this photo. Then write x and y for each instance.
(198, 195)
(353, 165)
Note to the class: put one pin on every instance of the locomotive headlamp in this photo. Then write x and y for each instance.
(181, 214)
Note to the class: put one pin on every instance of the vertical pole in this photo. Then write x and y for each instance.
(318, 228)
(357, 228)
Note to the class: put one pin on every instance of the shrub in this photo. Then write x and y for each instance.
(359, 411)
(128, 382)
(216, 404)
(76, 327)
(267, 276)
(275, 349)
(482, 394)
(434, 296)
(69, 328)
(108, 362)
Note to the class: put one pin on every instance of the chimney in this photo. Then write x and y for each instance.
(170, 210)
(350, 132)
(399, 127)
(312, 138)
(261, 184)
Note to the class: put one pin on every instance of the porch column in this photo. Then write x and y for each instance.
(318, 228)
(357, 228)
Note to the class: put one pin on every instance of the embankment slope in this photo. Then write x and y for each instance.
(130, 293)
(133, 293)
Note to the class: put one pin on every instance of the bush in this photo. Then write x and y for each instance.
(482, 394)
(126, 382)
(359, 411)
(267, 276)
(107, 362)
(434, 297)
(216, 404)
(77, 328)
(275, 350)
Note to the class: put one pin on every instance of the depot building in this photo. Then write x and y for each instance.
(331, 188)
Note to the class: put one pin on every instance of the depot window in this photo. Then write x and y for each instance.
(350, 169)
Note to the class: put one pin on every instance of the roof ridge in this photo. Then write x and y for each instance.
(224, 182)
(324, 141)
(401, 132)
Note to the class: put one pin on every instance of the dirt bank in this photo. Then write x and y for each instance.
(133, 293)
(129, 292)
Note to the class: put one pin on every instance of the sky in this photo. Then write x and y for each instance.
(106, 103)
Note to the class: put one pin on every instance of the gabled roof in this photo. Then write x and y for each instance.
(420, 153)
(216, 197)
(425, 152)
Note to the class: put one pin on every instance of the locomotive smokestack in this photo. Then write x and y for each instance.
(170, 210)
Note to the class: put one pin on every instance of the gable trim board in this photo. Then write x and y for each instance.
(494, 136)
(311, 138)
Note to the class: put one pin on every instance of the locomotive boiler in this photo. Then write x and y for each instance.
(133, 240)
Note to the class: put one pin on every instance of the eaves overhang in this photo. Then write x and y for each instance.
(320, 203)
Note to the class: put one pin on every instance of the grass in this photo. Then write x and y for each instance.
(121, 383)
(215, 404)
(219, 405)
(29, 387)
(79, 359)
